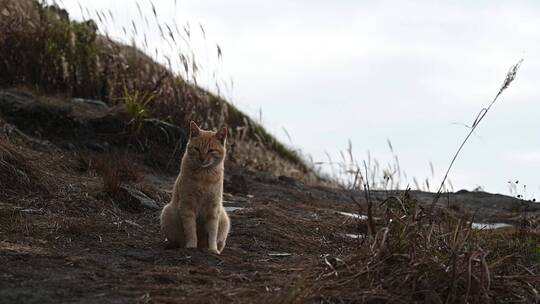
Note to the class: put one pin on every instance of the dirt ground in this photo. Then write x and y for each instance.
(91, 251)
(72, 243)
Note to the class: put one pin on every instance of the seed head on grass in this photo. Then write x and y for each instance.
(510, 76)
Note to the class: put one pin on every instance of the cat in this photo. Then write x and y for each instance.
(195, 217)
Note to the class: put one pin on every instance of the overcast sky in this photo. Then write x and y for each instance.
(368, 71)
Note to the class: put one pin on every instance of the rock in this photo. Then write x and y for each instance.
(280, 254)
(92, 102)
(86, 124)
(33, 116)
(166, 132)
(135, 199)
(167, 125)
(267, 179)
(233, 209)
(288, 180)
(98, 147)
(236, 183)
(16, 100)
(30, 210)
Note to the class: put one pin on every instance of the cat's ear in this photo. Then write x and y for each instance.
(193, 129)
(221, 135)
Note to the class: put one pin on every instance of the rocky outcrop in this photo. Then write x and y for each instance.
(88, 124)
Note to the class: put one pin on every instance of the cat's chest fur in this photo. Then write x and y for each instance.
(200, 192)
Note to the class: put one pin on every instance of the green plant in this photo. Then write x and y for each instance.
(137, 106)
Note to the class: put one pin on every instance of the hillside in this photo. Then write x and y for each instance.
(46, 52)
(79, 223)
(87, 161)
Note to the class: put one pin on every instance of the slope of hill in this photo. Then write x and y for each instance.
(44, 51)
(79, 223)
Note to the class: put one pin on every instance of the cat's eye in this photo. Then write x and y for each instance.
(213, 151)
(196, 149)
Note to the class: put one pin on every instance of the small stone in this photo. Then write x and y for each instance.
(136, 199)
(288, 180)
(92, 102)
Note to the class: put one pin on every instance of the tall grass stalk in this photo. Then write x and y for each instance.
(510, 76)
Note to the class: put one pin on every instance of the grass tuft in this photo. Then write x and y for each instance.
(18, 174)
(410, 259)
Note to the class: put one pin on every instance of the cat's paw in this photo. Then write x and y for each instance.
(214, 251)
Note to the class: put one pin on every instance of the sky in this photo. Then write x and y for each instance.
(319, 74)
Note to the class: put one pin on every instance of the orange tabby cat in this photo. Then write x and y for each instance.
(195, 216)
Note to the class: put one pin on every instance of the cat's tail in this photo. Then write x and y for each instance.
(223, 230)
(171, 226)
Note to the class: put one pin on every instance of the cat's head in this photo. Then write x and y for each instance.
(205, 149)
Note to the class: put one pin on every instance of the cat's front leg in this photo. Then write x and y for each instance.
(190, 229)
(212, 224)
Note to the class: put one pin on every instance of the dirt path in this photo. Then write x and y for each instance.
(105, 254)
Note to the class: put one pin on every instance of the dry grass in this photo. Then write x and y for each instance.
(43, 48)
(412, 260)
(350, 173)
(246, 153)
(18, 173)
(116, 171)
